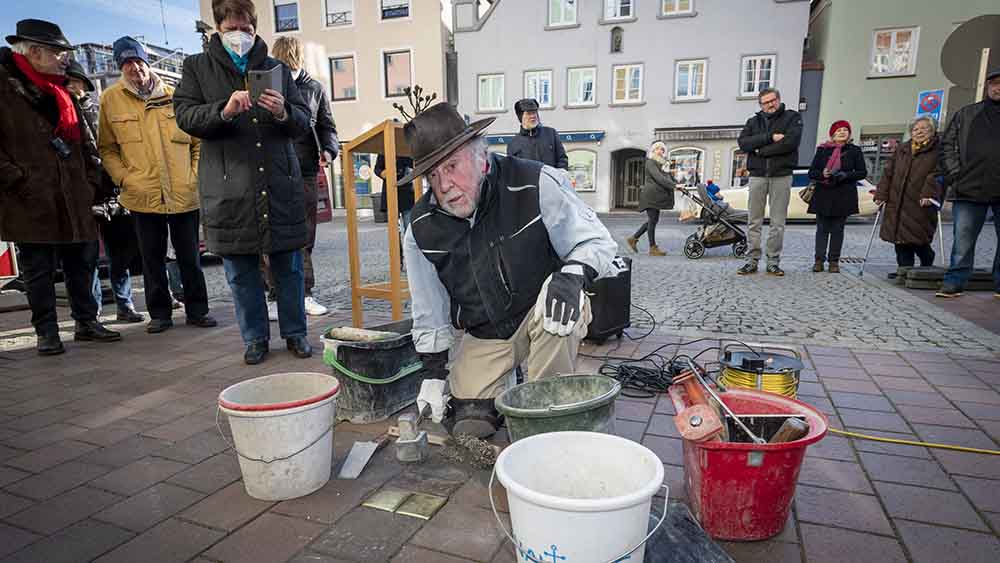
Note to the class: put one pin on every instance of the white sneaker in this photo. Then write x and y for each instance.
(313, 308)
(272, 310)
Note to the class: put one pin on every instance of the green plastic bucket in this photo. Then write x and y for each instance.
(562, 403)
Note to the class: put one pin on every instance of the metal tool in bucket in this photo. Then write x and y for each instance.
(760, 367)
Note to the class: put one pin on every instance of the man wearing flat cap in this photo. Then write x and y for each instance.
(49, 179)
(970, 164)
(536, 141)
(503, 250)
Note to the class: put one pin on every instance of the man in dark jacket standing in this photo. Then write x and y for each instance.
(319, 144)
(970, 162)
(49, 179)
(536, 141)
(250, 183)
(771, 140)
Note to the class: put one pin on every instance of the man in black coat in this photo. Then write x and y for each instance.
(771, 140)
(536, 141)
(970, 163)
(250, 183)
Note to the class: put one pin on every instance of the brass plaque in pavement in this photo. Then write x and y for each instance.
(422, 505)
(387, 499)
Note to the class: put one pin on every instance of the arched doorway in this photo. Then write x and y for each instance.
(629, 175)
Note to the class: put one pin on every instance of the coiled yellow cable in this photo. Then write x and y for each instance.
(781, 383)
(914, 443)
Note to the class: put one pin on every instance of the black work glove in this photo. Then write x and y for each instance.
(560, 304)
(839, 177)
(435, 364)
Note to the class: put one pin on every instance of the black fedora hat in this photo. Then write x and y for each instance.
(434, 134)
(75, 70)
(40, 31)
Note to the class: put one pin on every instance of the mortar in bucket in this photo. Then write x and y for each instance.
(552, 404)
(282, 427)
(579, 496)
(739, 490)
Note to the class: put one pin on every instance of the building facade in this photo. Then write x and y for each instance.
(615, 75)
(878, 57)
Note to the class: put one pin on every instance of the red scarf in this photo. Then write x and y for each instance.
(833, 164)
(68, 127)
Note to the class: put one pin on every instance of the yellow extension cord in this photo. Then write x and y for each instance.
(787, 385)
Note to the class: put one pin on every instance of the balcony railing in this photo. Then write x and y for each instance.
(395, 9)
(339, 18)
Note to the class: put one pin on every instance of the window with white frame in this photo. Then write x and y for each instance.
(286, 15)
(343, 81)
(396, 66)
(894, 51)
(580, 85)
(628, 84)
(689, 82)
(339, 12)
(491, 92)
(676, 7)
(562, 12)
(538, 85)
(617, 9)
(391, 9)
(757, 74)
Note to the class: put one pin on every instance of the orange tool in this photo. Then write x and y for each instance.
(700, 422)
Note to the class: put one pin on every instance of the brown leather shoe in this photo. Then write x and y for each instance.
(632, 243)
(655, 251)
(834, 268)
(818, 266)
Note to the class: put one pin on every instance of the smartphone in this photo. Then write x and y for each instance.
(260, 80)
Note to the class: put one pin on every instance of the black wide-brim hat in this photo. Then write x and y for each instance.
(75, 70)
(435, 133)
(40, 31)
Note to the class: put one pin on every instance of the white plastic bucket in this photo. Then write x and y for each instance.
(283, 432)
(582, 496)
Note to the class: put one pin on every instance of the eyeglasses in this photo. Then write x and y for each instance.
(60, 54)
(769, 101)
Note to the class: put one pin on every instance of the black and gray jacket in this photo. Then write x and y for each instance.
(540, 144)
(765, 158)
(483, 274)
(970, 178)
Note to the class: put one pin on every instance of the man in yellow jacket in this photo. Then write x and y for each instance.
(155, 166)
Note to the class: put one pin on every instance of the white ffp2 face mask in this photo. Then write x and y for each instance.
(239, 42)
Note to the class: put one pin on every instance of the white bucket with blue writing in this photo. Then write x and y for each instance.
(579, 497)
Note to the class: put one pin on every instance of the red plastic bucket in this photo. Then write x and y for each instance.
(741, 491)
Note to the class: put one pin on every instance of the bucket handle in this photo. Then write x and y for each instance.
(513, 542)
(232, 446)
(611, 393)
(762, 348)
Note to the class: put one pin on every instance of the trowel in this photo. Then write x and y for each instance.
(358, 457)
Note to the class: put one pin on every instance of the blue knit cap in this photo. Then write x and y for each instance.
(127, 48)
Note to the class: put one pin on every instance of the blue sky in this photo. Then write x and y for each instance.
(103, 21)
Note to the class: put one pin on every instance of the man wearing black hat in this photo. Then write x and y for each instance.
(970, 163)
(49, 179)
(502, 249)
(536, 141)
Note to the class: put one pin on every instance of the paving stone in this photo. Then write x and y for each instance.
(271, 537)
(126, 451)
(462, 531)
(139, 475)
(932, 544)
(210, 475)
(833, 545)
(911, 471)
(664, 405)
(150, 507)
(82, 541)
(59, 479)
(366, 535)
(195, 449)
(994, 520)
(103, 416)
(978, 411)
(965, 437)
(44, 436)
(52, 515)
(861, 401)
(169, 542)
(822, 404)
(842, 372)
(812, 389)
(851, 386)
(935, 416)
(928, 505)
(633, 410)
(113, 433)
(968, 381)
(768, 550)
(676, 480)
(10, 453)
(12, 539)
(40, 419)
(305, 557)
(12, 504)
(961, 394)
(227, 509)
(832, 447)
(50, 456)
(180, 429)
(842, 509)
(413, 554)
(663, 425)
(961, 463)
(833, 474)
(902, 384)
(630, 429)
(917, 398)
(889, 448)
(153, 399)
(9, 475)
(873, 420)
(669, 450)
(891, 370)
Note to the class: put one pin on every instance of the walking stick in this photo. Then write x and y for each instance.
(944, 263)
(871, 239)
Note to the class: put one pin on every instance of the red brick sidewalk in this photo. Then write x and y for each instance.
(110, 453)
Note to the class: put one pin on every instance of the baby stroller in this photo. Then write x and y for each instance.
(718, 225)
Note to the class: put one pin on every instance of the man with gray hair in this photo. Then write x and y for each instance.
(502, 249)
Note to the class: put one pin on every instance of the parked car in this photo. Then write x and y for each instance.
(738, 198)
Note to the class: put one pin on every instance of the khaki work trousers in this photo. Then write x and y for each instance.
(482, 367)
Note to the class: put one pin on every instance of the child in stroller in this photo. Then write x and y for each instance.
(718, 224)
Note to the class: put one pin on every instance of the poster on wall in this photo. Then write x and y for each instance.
(362, 174)
(582, 169)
